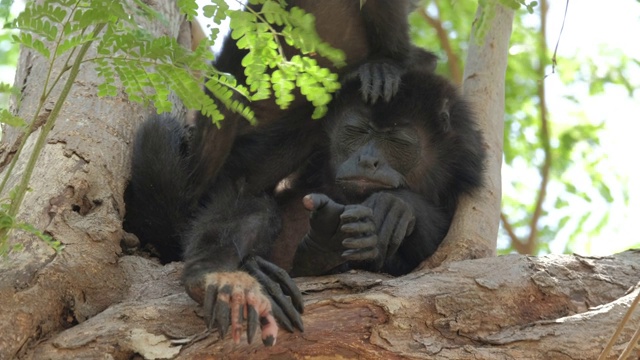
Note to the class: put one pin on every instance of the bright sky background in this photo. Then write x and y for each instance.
(592, 25)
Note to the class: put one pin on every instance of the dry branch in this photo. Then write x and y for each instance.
(550, 307)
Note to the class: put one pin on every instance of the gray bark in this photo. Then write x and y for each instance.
(474, 230)
(77, 198)
(510, 307)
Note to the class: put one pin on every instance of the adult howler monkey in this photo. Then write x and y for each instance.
(206, 196)
(394, 174)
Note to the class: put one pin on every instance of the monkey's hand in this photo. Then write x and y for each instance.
(338, 233)
(394, 219)
(378, 79)
(231, 298)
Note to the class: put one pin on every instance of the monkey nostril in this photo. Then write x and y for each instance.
(368, 162)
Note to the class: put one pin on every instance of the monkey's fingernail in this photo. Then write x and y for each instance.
(269, 341)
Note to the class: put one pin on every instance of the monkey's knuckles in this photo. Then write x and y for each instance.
(358, 228)
(361, 249)
(327, 216)
(236, 297)
(364, 254)
(360, 231)
(395, 220)
(389, 208)
(323, 226)
(356, 212)
(238, 306)
(379, 79)
(357, 221)
(284, 297)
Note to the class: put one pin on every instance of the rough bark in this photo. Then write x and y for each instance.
(474, 231)
(77, 198)
(511, 307)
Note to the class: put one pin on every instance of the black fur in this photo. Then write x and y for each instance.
(212, 196)
(408, 161)
(168, 184)
(159, 197)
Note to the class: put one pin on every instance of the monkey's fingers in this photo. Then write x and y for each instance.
(287, 284)
(366, 83)
(259, 312)
(216, 304)
(362, 227)
(321, 202)
(222, 310)
(279, 314)
(392, 75)
(314, 201)
(230, 298)
(269, 329)
(364, 242)
(379, 79)
(289, 312)
(361, 254)
(237, 308)
(353, 213)
(252, 321)
(210, 298)
(361, 248)
(404, 227)
(325, 216)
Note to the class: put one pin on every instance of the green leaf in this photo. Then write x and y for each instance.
(6, 117)
(27, 40)
(217, 11)
(189, 8)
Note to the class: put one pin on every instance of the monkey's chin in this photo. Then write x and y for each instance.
(360, 187)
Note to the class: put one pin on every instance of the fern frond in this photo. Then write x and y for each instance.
(41, 19)
(26, 39)
(224, 88)
(302, 35)
(73, 41)
(189, 8)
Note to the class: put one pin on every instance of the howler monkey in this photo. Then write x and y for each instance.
(206, 195)
(393, 175)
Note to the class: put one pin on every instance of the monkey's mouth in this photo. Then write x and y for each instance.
(361, 185)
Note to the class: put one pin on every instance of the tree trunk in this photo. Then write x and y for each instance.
(91, 301)
(77, 197)
(474, 231)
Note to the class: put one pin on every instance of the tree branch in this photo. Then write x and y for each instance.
(512, 306)
(532, 240)
(474, 229)
(515, 240)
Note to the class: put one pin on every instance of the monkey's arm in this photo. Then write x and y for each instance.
(391, 53)
(225, 273)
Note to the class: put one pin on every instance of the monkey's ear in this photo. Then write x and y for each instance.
(443, 115)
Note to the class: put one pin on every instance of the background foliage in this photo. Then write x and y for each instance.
(558, 184)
